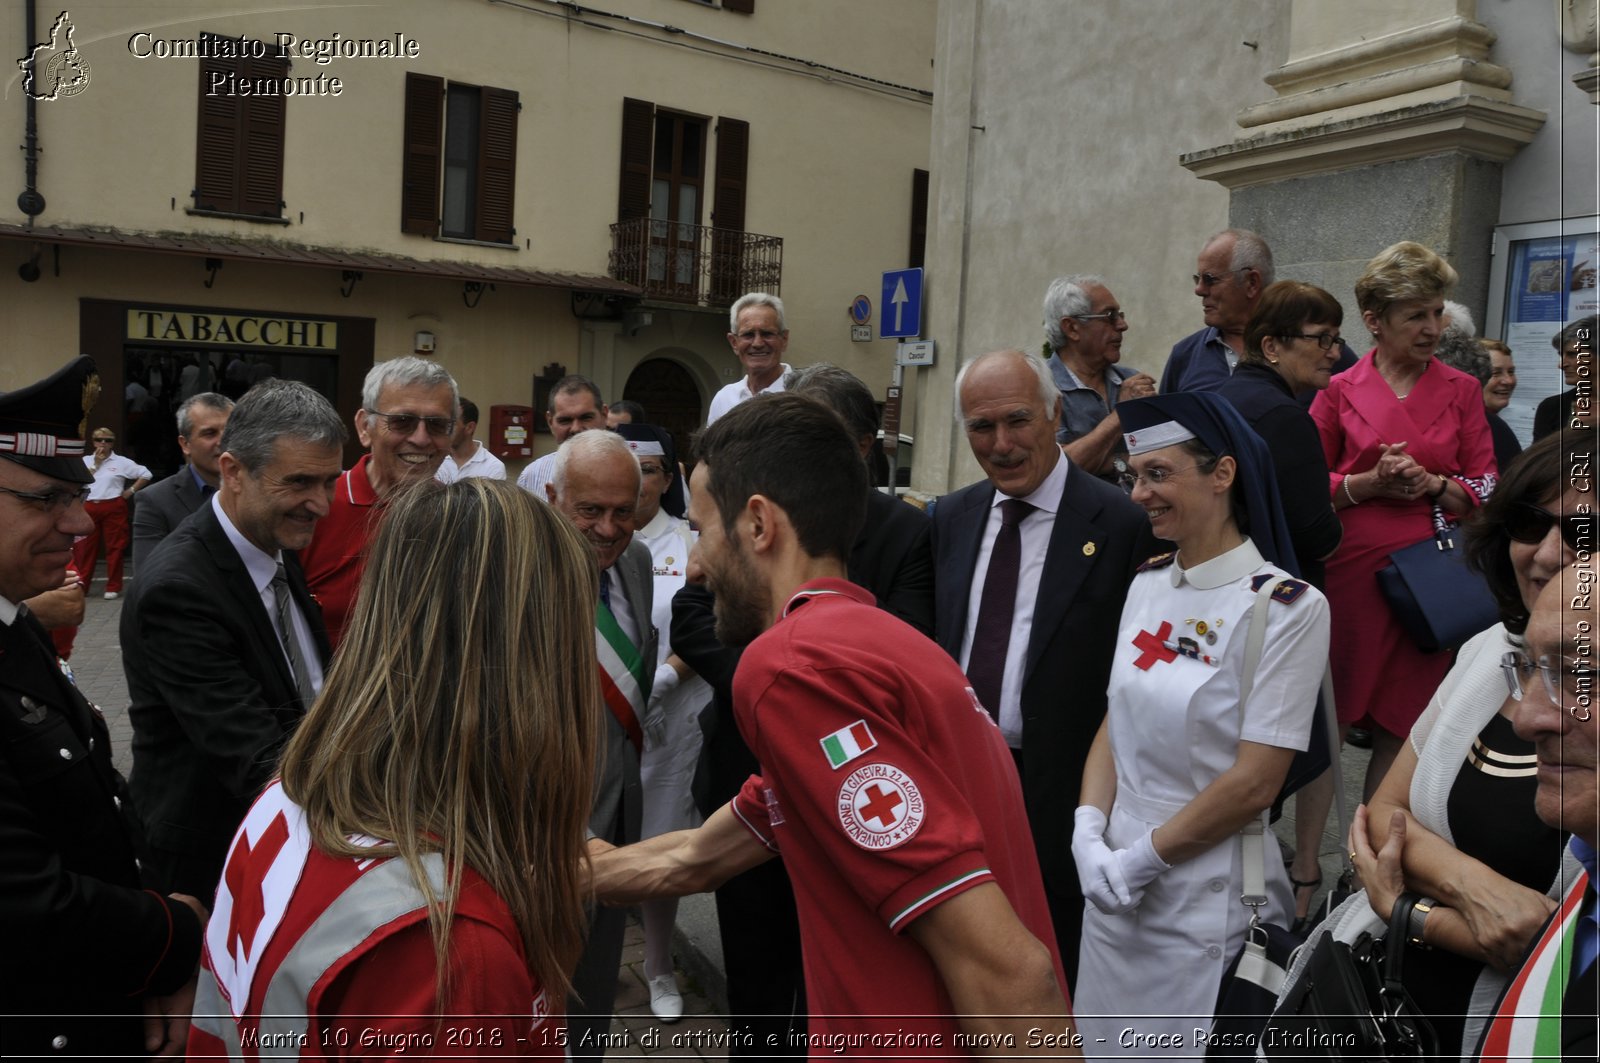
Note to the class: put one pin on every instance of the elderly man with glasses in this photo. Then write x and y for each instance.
(406, 421)
(1084, 326)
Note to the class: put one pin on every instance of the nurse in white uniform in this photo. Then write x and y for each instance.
(1179, 766)
(672, 718)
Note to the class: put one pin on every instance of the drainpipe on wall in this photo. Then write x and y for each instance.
(30, 202)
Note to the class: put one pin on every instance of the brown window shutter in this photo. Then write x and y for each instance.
(638, 131)
(261, 179)
(497, 165)
(733, 161)
(419, 172)
(919, 219)
(743, 7)
(727, 213)
(216, 176)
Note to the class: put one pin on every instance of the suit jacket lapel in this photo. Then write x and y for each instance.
(953, 585)
(28, 664)
(236, 578)
(1067, 561)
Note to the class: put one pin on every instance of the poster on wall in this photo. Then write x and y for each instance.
(1549, 280)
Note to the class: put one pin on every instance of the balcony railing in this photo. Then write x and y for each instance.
(695, 264)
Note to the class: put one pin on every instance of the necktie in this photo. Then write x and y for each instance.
(291, 644)
(605, 588)
(986, 663)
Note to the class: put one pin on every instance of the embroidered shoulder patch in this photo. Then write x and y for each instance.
(880, 807)
(848, 743)
(1159, 561)
(1287, 591)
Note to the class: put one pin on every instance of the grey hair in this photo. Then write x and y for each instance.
(405, 372)
(587, 446)
(1460, 317)
(745, 302)
(1067, 297)
(209, 399)
(1049, 394)
(1250, 251)
(573, 384)
(1458, 349)
(1579, 333)
(275, 409)
(841, 391)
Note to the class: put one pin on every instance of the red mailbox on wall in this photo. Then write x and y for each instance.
(511, 432)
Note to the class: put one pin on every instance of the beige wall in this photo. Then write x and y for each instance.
(830, 164)
(1057, 129)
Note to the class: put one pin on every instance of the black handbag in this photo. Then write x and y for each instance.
(1437, 599)
(1348, 1003)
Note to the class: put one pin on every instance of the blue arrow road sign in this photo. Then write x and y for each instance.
(902, 303)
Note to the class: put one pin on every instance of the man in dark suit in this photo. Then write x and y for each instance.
(1032, 567)
(163, 506)
(222, 645)
(595, 482)
(91, 950)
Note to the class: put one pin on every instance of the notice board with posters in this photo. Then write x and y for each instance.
(1543, 276)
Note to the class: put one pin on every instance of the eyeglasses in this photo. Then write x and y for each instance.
(650, 468)
(1208, 280)
(1111, 316)
(1325, 340)
(56, 500)
(1154, 477)
(1568, 681)
(406, 423)
(1528, 523)
(751, 336)
(105, 439)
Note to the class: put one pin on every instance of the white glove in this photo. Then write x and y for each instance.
(1098, 870)
(1139, 863)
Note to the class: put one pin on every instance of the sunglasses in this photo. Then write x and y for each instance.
(406, 423)
(1528, 523)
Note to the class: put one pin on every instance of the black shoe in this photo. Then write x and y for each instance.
(1359, 737)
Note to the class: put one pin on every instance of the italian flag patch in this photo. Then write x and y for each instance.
(848, 743)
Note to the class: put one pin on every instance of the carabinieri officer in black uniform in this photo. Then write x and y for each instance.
(95, 964)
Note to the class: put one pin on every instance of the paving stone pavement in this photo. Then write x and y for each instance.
(635, 1032)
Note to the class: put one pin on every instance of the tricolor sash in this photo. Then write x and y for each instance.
(1527, 1023)
(621, 674)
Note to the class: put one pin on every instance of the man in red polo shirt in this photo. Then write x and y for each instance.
(407, 416)
(886, 787)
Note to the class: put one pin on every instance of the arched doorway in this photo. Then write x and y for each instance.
(670, 398)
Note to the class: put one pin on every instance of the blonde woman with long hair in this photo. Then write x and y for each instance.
(412, 879)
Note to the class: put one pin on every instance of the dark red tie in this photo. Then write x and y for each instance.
(986, 663)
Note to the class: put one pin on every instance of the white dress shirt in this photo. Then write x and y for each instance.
(482, 463)
(1035, 531)
(739, 391)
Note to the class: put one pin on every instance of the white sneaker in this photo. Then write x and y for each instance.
(112, 596)
(665, 1000)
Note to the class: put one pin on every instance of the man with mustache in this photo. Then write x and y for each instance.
(1084, 325)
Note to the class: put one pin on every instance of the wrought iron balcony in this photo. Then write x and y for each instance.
(695, 264)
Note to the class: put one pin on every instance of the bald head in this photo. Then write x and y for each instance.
(1009, 408)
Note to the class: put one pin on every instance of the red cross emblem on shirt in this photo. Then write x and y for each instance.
(1154, 646)
(881, 804)
(249, 906)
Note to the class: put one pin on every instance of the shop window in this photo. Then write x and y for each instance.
(239, 157)
(458, 177)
